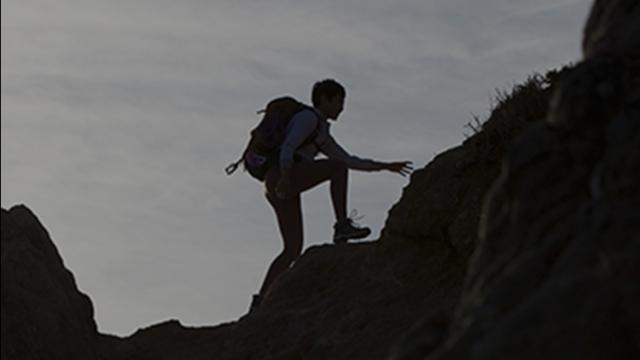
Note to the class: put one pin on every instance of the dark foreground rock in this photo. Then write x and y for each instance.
(44, 316)
(556, 271)
(521, 243)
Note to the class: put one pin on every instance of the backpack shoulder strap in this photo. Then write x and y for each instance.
(312, 137)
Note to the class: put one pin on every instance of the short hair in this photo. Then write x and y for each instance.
(327, 88)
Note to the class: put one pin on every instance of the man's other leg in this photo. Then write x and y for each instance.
(289, 217)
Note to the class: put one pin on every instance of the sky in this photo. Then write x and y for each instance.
(119, 117)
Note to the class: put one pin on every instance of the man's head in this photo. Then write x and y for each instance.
(328, 97)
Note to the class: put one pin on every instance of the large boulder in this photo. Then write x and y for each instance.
(44, 315)
(556, 269)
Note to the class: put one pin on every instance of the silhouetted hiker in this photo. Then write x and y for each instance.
(294, 169)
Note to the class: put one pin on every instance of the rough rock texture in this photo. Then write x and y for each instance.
(612, 28)
(44, 316)
(521, 243)
(556, 271)
(339, 302)
(442, 202)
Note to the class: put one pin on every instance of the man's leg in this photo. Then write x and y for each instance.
(304, 176)
(309, 174)
(289, 216)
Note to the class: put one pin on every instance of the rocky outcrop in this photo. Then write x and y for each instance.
(556, 266)
(523, 242)
(442, 202)
(44, 316)
(612, 29)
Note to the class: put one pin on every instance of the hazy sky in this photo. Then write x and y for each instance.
(118, 118)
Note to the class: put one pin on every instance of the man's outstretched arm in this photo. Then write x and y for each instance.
(333, 150)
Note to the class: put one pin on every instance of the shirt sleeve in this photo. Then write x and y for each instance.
(302, 125)
(333, 150)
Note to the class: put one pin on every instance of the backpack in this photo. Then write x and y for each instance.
(263, 150)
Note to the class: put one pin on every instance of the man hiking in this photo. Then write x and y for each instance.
(296, 170)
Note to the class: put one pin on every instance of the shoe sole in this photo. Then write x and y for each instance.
(342, 240)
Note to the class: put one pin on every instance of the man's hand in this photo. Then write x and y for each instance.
(403, 168)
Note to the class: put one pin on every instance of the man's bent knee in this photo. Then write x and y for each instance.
(338, 166)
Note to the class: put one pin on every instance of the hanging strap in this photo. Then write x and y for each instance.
(233, 167)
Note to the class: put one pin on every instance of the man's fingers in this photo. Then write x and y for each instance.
(403, 168)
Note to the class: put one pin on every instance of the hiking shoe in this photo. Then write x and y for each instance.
(347, 230)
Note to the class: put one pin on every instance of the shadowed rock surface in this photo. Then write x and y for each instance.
(521, 243)
(556, 269)
(44, 316)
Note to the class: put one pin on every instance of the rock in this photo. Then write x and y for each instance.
(521, 243)
(442, 202)
(612, 28)
(44, 316)
(556, 267)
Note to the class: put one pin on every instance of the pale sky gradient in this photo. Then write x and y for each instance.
(118, 118)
